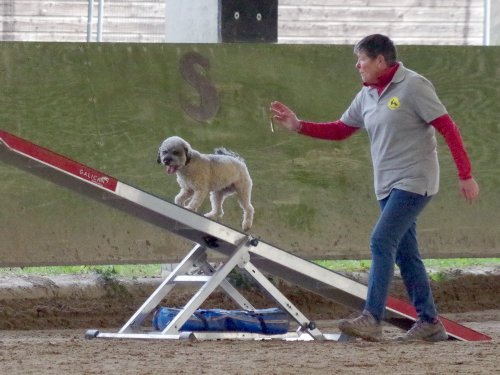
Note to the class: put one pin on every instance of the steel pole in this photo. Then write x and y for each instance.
(89, 20)
(99, 20)
(486, 23)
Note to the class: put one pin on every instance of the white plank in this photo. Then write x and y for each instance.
(72, 8)
(352, 39)
(374, 14)
(82, 37)
(308, 29)
(383, 3)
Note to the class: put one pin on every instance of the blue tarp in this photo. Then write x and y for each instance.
(266, 321)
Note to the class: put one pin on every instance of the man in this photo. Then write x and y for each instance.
(399, 109)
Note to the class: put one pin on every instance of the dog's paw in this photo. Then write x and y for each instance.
(246, 227)
(214, 215)
(210, 215)
(191, 208)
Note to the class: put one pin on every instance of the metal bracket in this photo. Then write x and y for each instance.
(210, 278)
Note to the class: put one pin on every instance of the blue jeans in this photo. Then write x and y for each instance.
(394, 240)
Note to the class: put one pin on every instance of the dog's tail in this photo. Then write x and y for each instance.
(225, 151)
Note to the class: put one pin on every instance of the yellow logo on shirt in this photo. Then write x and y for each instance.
(393, 103)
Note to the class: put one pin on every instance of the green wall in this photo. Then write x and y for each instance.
(110, 105)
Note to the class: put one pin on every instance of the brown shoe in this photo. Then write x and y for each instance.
(425, 331)
(364, 326)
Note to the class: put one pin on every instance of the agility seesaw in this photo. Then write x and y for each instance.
(241, 250)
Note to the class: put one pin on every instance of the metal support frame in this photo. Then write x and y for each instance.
(210, 279)
(254, 256)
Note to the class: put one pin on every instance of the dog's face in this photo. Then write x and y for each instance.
(174, 153)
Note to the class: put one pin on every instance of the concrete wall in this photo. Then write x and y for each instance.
(110, 105)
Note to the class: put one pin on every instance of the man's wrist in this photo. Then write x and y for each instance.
(299, 126)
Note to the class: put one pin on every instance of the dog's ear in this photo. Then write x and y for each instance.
(158, 158)
(187, 150)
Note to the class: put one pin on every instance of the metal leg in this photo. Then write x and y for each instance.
(165, 287)
(304, 323)
(240, 255)
(228, 288)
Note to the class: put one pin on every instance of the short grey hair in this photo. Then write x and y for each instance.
(378, 44)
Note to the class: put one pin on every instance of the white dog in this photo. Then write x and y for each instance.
(221, 174)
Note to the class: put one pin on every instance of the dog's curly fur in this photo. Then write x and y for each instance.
(221, 174)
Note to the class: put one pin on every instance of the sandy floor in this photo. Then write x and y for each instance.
(54, 321)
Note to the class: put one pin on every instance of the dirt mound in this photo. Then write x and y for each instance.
(93, 302)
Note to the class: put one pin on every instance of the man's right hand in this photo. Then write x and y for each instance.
(285, 116)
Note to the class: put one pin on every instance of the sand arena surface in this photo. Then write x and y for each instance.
(44, 320)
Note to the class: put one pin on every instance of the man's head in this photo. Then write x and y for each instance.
(375, 54)
(375, 45)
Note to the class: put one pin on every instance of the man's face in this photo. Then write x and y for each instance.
(370, 68)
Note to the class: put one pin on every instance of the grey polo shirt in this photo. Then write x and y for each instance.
(402, 143)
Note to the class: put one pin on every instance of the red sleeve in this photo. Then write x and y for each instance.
(447, 128)
(336, 130)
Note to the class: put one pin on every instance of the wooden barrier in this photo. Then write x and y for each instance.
(110, 105)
